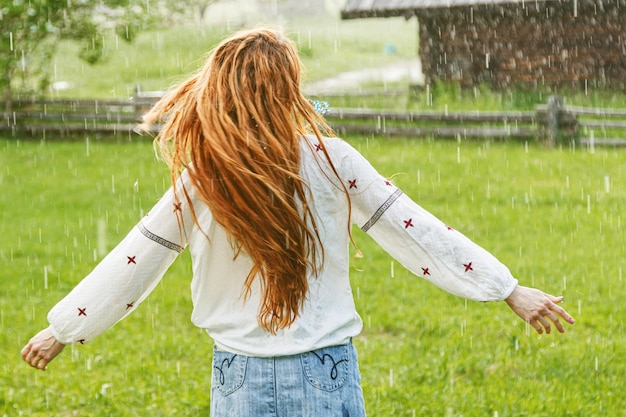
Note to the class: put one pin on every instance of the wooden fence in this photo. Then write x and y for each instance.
(552, 123)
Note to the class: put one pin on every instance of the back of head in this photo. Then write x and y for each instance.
(236, 127)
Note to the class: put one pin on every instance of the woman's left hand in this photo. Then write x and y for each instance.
(538, 308)
(42, 349)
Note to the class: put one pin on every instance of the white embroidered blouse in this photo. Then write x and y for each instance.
(419, 241)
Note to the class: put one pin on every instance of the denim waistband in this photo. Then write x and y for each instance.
(323, 382)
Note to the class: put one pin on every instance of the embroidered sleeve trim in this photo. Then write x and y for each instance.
(381, 210)
(158, 239)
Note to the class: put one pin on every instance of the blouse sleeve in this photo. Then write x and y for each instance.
(126, 276)
(418, 240)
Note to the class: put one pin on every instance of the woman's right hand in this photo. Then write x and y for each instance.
(42, 349)
(538, 308)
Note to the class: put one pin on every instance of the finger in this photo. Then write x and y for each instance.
(42, 364)
(536, 325)
(545, 323)
(556, 300)
(39, 362)
(561, 312)
(34, 359)
(25, 351)
(30, 356)
(556, 321)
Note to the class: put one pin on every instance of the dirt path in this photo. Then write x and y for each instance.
(404, 70)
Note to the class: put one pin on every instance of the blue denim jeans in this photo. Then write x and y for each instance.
(322, 383)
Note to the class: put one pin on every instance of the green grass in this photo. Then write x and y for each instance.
(547, 213)
(451, 97)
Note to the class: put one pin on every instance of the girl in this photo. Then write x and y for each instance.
(265, 202)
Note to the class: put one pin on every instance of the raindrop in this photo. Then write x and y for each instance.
(102, 239)
(392, 270)
(113, 184)
(45, 277)
(607, 184)
(391, 377)
(104, 388)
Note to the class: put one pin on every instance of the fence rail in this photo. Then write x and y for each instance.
(551, 123)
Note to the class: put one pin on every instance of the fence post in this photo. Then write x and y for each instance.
(555, 104)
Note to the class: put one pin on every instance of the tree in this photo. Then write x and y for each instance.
(193, 10)
(30, 29)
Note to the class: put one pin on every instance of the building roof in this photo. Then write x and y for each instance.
(355, 9)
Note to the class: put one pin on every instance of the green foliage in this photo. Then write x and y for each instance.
(554, 216)
(30, 31)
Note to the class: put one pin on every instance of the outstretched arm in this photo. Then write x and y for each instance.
(117, 285)
(42, 349)
(435, 251)
(538, 308)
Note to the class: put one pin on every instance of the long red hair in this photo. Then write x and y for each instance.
(236, 126)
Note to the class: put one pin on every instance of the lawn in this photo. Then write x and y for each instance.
(554, 216)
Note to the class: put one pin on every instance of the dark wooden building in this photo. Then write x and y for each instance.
(514, 42)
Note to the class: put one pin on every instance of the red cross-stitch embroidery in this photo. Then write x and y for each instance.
(131, 260)
(81, 341)
(468, 267)
(178, 207)
(352, 183)
(408, 223)
(318, 147)
(82, 311)
(387, 183)
(130, 305)
(425, 271)
(448, 227)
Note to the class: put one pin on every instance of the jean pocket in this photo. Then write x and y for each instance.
(326, 368)
(229, 371)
